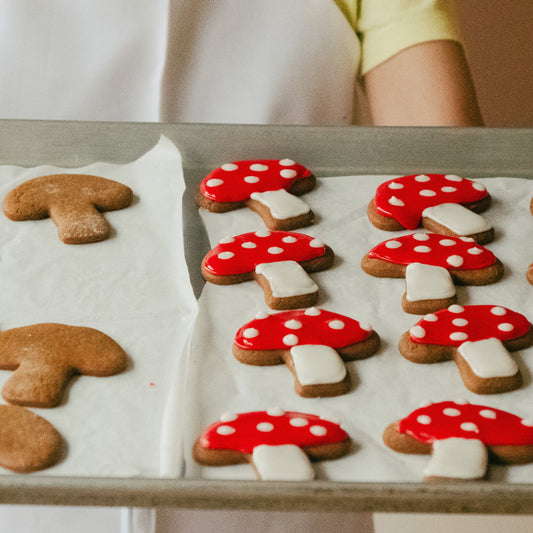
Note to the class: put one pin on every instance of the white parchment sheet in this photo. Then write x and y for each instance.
(135, 288)
(386, 386)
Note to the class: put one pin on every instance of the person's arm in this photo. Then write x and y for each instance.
(428, 84)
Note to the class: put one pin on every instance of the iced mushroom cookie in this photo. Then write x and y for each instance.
(277, 260)
(441, 203)
(279, 445)
(313, 343)
(74, 202)
(270, 187)
(478, 338)
(462, 438)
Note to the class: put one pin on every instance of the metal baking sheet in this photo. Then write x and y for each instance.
(328, 151)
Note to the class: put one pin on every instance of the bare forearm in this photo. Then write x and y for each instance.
(428, 84)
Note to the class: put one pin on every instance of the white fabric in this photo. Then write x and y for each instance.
(261, 61)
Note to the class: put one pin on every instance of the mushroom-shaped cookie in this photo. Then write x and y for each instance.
(312, 342)
(277, 444)
(74, 202)
(28, 442)
(478, 338)
(277, 260)
(44, 357)
(443, 203)
(268, 187)
(462, 438)
(428, 287)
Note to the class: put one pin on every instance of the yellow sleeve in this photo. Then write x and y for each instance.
(386, 27)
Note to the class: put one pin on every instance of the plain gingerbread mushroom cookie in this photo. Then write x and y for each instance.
(75, 203)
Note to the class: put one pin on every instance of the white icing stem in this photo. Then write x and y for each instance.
(281, 204)
(457, 218)
(488, 358)
(286, 279)
(286, 462)
(427, 282)
(317, 364)
(458, 458)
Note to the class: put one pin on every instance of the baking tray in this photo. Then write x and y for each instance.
(328, 151)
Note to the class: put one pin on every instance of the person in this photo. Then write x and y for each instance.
(317, 62)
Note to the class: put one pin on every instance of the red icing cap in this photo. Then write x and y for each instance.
(241, 254)
(243, 432)
(463, 420)
(302, 326)
(452, 253)
(235, 182)
(457, 324)
(405, 198)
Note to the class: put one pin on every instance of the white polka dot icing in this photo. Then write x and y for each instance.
(316, 243)
(449, 189)
(498, 311)
(455, 261)
(287, 162)
(393, 185)
(226, 255)
(424, 420)
(428, 193)
(259, 167)
(396, 201)
(318, 431)
(460, 322)
(458, 336)
(422, 178)
(505, 326)
(289, 239)
(418, 332)
(228, 167)
(225, 430)
(275, 250)
(251, 179)
(312, 311)
(298, 422)
(215, 182)
(265, 427)
(422, 249)
(336, 324)
(421, 237)
(249, 245)
(393, 244)
(293, 324)
(250, 333)
(290, 340)
(469, 426)
(275, 411)
(488, 413)
(450, 411)
(288, 173)
(446, 242)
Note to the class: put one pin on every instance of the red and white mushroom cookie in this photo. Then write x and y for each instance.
(279, 445)
(443, 203)
(478, 338)
(427, 261)
(268, 187)
(462, 438)
(312, 342)
(277, 260)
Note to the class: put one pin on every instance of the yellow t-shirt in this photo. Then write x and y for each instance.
(385, 27)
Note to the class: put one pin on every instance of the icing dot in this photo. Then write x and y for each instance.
(487, 413)
(505, 326)
(458, 336)
(460, 322)
(478, 186)
(455, 260)
(426, 403)
(275, 411)
(298, 422)
(225, 255)
(275, 250)
(422, 178)
(424, 419)
(430, 317)
(251, 179)
(427, 193)
(449, 189)
(227, 240)
(421, 237)
(250, 333)
(214, 182)
(461, 401)
(290, 340)
(365, 326)
(258, 167)
(422, 249)
(287, 162)
(288, 173)
(395, 185)
(469, 426)
(475, 251)
(293, 324)
(467, 239)
(225, 430)
(336, 324)
(418, 332)
(318, 431)
(498, 311)
(316, 243)
(527, 422)
(450, 411)
(228, 417)
(229, 166)
(453, 177)
(456, 308)
(395, 201)
(312, 311)
(249, 244)
(262, 233)
(446, 242)
(262, 314)
(265, 427)
(289, 239)
(393, 244)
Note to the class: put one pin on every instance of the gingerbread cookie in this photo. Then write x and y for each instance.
(44, 357)
(442, 203)
(279, 445)
(74, 202)
(268, 187)
(277, 260)
(462, 438)
(28, 442)
(478, 338)
(429, 289)
(313, 343)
